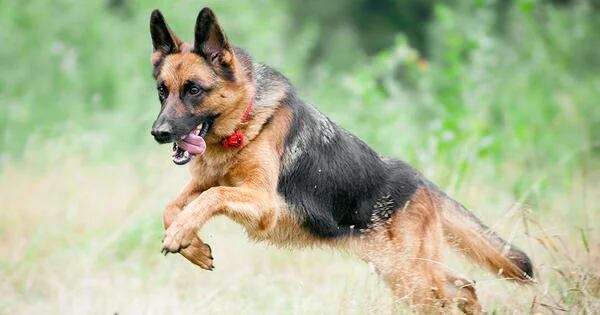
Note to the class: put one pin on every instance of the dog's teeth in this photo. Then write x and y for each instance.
(186, 154)
(182, 137)
(200, 126)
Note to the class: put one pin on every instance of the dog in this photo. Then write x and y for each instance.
(290, 176)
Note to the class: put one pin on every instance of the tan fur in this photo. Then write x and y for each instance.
(198, 253)
(224, 98)
(406, 252)
(470, 240)
(229, 99)
(244, 186)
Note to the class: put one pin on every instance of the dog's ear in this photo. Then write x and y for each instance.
(210, 41)
(164, 40)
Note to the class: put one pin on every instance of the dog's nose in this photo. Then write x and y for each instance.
(162, 133)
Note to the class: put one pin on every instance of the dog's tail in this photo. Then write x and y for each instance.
(482, 245)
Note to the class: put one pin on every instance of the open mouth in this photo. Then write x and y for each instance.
(190, 145)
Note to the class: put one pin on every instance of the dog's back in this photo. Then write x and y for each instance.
(338, 186)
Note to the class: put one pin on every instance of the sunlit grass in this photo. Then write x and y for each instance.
(81, 238)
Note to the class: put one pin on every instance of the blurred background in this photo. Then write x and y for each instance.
(496, 101)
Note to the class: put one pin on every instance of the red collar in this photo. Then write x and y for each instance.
(237, 138)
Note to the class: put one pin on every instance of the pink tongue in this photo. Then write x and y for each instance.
(192, 143)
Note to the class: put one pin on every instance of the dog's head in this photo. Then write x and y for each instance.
(201, 87)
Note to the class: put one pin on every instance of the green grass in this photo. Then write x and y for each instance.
(83, 238)
(503, 115)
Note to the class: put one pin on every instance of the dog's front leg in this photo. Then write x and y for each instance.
(189, 193)
(247, 206)
(197, 252)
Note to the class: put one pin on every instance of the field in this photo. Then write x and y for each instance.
(500, 110)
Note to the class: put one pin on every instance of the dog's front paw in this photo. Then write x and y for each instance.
(178, 237)
(199, 254)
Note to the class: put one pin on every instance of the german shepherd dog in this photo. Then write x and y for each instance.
(292, 177)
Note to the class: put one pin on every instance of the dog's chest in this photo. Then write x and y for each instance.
(287, 232)
(209, 168)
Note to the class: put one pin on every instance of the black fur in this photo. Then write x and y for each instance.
(522, 261)
(334, 182)
(161, 37)
(210, 42)
(157, 68)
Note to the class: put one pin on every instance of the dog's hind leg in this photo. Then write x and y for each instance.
(463, 294)
(405, 250)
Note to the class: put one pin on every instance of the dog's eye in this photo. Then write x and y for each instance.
(194, 90)
(162, 92)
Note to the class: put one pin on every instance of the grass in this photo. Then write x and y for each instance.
(505, 121)
(85, 239)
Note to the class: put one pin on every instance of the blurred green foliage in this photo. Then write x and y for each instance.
(513, 83)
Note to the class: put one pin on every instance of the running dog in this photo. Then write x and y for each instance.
(290, 176)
